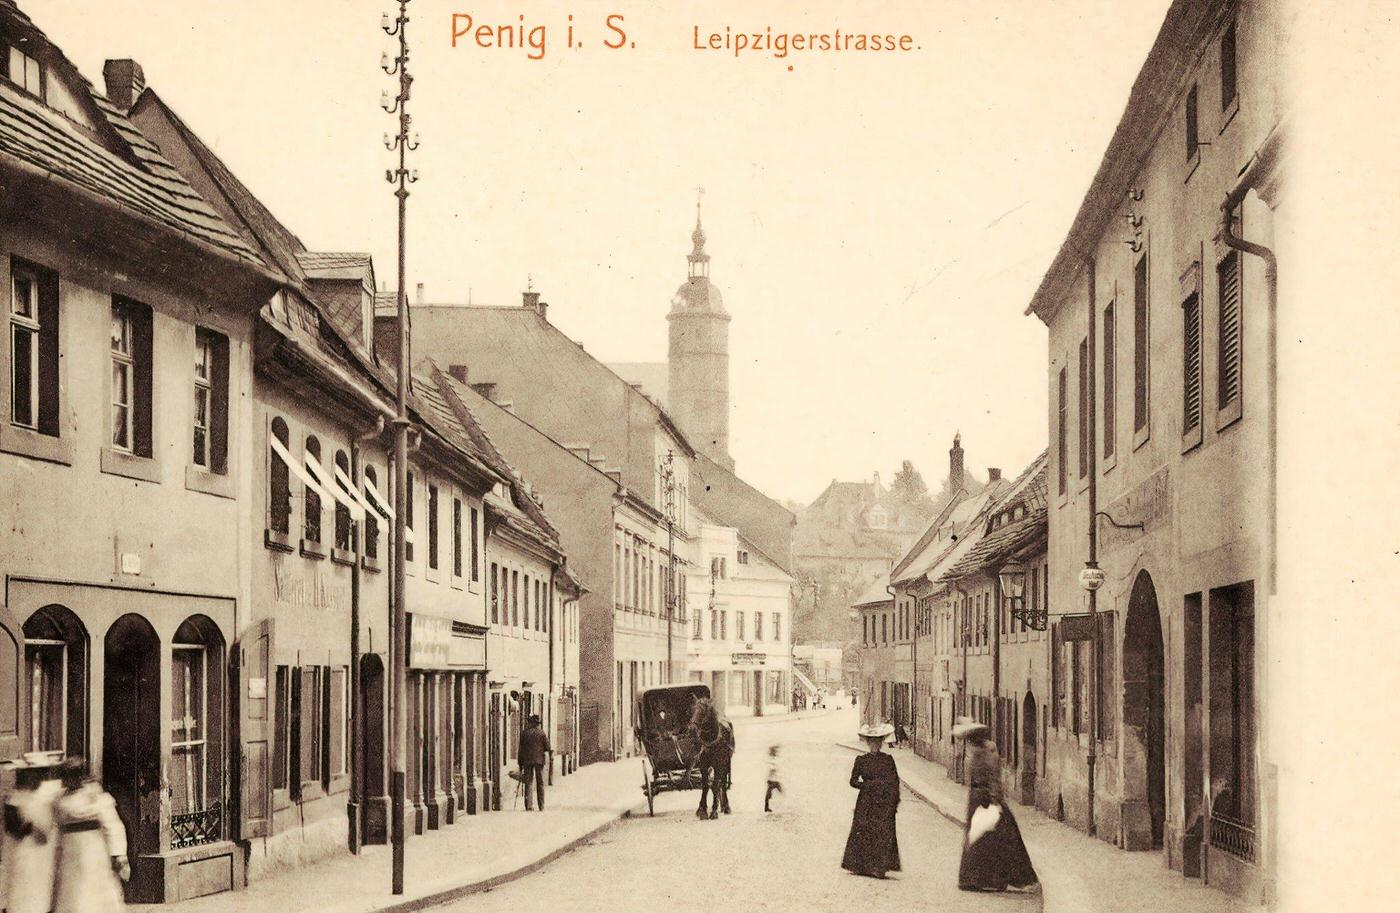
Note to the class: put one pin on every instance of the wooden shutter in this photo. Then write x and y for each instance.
(1229, 275)
(252, 672)
(1191, 363)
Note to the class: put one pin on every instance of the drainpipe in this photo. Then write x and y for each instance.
(357, 739)
(964, 636)
(1262, 164)
(1093, 562)
(553, 703)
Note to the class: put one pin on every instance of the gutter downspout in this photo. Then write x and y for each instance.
(964, 636)
(1093, 562)
(1262, 165)
(894, 599)
(357, 739)
(1264, 161)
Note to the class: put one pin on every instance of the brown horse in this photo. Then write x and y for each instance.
(716, 737)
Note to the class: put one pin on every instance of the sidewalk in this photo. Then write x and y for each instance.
(1078, 873)
(476, 853)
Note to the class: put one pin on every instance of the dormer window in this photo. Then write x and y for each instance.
(25, 72)
(878, 519)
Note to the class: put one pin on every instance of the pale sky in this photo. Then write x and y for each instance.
(877, 222)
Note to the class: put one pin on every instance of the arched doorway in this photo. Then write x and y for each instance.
(56, 677)
(1144, 720)
(131, 731)
(1028, 749)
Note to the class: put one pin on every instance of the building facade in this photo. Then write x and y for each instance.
(1162, 399)
(740, 637)
(125, 374)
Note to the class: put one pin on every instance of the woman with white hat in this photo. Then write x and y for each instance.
(872, 848)
(30, 836)
(994, 856)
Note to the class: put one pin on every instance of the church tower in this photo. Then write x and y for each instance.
(698, 387)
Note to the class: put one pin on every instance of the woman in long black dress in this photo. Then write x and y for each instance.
(872, 848)
(995, 859)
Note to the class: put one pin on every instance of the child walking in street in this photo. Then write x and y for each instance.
(774, 784)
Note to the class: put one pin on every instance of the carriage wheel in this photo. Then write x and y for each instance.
(649, 788)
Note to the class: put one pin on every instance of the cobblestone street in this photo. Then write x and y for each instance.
(789, 860)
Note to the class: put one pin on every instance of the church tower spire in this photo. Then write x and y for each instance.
(698, 387)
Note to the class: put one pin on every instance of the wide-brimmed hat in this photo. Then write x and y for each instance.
(965, 727)
(875, 731)
(34, 760)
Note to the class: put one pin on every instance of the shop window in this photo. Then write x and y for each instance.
(34, 347)
(210, 441)
(339, 723)
(1232, 740)
(196, 727)
(131, 377)
(279, 496)
(55, 652)
(282, 750)
(311, 498)
(307, 709)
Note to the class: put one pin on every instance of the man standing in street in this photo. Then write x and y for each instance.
(534, 754)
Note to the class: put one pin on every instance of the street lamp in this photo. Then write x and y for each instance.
(1013, 586)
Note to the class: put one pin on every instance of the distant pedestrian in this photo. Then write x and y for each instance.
(872, 848)
(92, 861)
(901, 735)
(775, 785)
(534, 754)
(30, 837)
(994, 856)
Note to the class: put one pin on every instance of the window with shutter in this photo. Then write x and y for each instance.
(1141, 335)
(1229, 367)
(1191, 368)
(1062, 449)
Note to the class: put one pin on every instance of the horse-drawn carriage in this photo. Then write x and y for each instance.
(679, 753)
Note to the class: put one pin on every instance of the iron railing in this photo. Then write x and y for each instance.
(196, 828)
(1233, 837)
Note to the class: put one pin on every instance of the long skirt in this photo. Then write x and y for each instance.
(872, 847)
(85, 882)
(997, 859)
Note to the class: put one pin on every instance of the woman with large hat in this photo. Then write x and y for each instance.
(92, 861)
(872, 848)
(994, 856)
(27, 852)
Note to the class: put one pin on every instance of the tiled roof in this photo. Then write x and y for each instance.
(875, 594)
(330, 265)
(128, 170)
(1000, 543)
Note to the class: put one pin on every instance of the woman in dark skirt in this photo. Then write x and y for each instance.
(993, 859)
(872, 848)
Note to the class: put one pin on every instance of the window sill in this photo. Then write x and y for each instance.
(370, 564)
(1083, 485)
(457, 583)
(1190, 440)
(279, 541)
(1110, 460)
(1227, 116)
(310, 549)
(1227, 416)
(1141, 436)
(1062, 499)
(281, 799)
(474, 587)
(129, 465)
(218, 484)
(35, 445)
(339, 783)
(343, 556)
(1192, 164)
(310, 790)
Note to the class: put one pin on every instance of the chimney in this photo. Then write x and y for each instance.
(125, 81)
(993, 474)
(955, 464)
(544, 311)
(458, 372)
(418, 299)
(530, 301)
(486, 391)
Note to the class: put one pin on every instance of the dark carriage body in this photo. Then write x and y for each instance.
(662, 727)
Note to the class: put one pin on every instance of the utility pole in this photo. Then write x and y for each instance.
(398, 662)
